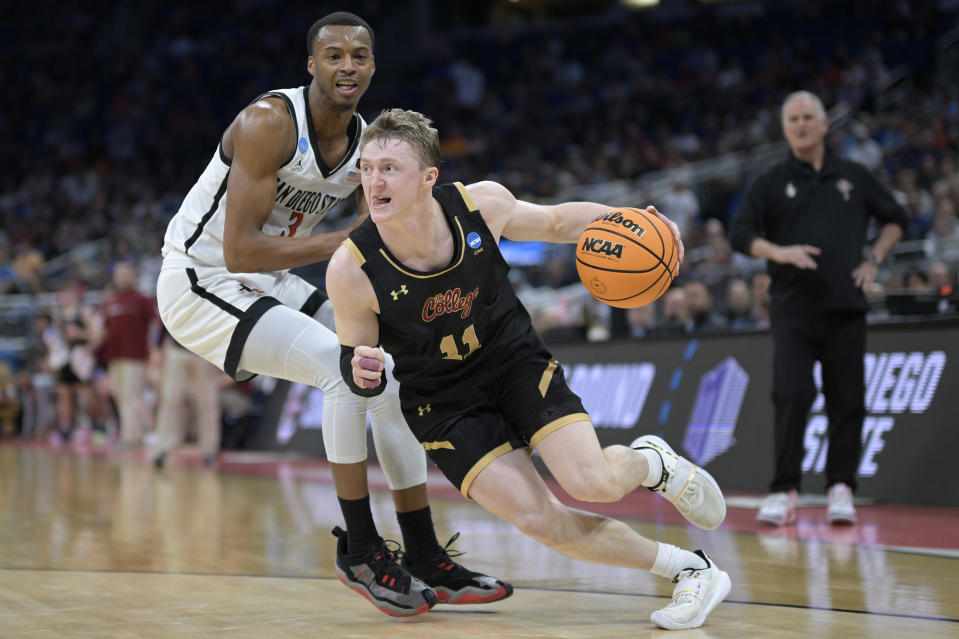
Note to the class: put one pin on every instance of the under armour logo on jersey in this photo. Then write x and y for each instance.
(423, 409)
(396, 294)
(845, 187)
(790, 190)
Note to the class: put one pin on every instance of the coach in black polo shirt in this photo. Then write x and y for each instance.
(808, 217)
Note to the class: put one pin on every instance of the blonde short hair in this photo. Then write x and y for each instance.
(411, 127)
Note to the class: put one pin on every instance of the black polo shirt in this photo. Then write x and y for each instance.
(792, 203)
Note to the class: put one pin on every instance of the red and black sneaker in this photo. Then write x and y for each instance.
(376, 575)
(453, 583)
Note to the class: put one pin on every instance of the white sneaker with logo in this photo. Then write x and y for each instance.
(778, 509)
(840, 509)
(691, 489)
(697, 592)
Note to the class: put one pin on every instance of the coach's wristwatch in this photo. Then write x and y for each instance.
(872, 259)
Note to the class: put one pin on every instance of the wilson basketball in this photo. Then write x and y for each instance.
(627, 257)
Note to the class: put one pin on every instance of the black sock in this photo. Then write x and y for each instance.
(359, 524)
(419, 536)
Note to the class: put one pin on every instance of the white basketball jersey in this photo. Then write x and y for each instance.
(306, 189)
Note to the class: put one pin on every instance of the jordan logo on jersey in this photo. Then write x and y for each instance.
(246, 287)
(449, 302)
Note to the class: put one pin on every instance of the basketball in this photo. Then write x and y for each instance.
(627, 257)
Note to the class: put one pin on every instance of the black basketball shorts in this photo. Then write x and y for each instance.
(466, 427)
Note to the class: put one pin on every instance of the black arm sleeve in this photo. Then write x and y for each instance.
(346, 369)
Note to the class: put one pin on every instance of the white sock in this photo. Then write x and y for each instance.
(655, 463)
(671, 559)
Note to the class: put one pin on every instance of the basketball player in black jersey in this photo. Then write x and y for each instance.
(424, 277)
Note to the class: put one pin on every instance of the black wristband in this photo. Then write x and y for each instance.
(346, 370)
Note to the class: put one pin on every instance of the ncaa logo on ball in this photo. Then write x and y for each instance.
(602, 248)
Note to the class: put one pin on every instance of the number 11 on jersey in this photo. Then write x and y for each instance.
(451, 349)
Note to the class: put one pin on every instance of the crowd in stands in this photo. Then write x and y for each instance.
(112, 111)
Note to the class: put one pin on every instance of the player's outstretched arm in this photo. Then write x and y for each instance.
(355, 309)
(563, 223)
(260, 140)
(523, 221)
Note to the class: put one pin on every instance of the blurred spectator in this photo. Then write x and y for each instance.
(948, 184)
(943, 241)
(128, 317)
(36, 382)
(641, 320)
(864, 149)
(71, 339)
(939, 278)
(928, 172)
(469, 83)
(713, 261)
(188, 381)
(23, 274)
(739, 306)
(241, 404)
(703, 314)
(676, 319)
(680, 204)
(9, 401)
(917, 202)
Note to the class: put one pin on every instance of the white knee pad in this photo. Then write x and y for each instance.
(287, 344)
(400, 454)
(344, 425)
(401, 457)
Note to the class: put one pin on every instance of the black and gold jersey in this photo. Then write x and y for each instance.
(459, 323)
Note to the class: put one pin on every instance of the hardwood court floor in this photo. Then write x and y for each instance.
(93, 546)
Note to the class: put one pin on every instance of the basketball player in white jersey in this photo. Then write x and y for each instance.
(225, 292)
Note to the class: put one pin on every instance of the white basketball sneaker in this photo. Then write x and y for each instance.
(691, 489)
(840, 509)
(778, 509)
(697, 592)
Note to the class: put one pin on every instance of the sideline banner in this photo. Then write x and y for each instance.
(710, 398)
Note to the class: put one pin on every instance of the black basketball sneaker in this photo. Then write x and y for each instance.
(378, 576)
(455, 584)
